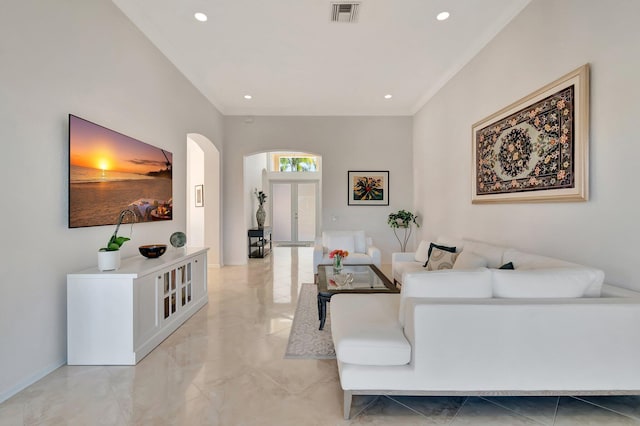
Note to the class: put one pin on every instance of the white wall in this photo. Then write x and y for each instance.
(83, 58)
(195, 176)
(548, 39)
(345, 143)
(254, 165)
(212, 210)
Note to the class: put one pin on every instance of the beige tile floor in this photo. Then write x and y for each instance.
(225, 366)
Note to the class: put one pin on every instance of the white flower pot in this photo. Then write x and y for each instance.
(108, 260)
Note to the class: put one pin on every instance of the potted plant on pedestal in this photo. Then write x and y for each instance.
(109, 256)
(402, 220)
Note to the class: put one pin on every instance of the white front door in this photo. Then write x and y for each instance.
(294, 211)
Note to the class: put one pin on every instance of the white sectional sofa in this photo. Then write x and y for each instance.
(547, 328)
(360, 247)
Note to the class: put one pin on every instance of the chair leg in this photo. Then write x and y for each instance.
(347, 404)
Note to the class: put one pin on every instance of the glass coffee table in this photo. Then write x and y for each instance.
(366, 279)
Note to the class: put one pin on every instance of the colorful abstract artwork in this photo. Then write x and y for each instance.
(368, 188)
(535, 149)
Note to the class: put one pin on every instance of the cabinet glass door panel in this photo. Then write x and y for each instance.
(168, 283)
(185, 284)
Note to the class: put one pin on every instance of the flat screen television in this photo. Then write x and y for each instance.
(110, 172)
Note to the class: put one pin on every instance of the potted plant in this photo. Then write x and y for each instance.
(109, 256)
(403, 220)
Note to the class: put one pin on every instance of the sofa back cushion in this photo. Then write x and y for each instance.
(469, 260)
(544, 283)
(445, 283)
(422, 252)
(451, 242)
(528, 261)
(522, 260)
(493, 254)
(330, 240)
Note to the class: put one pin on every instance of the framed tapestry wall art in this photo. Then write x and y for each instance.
(368, 188)
(536, 149)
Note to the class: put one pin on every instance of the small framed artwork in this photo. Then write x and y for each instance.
(536, 149)
(199, 195)
(368, 188)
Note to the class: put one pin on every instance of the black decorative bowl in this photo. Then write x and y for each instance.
(153, 250)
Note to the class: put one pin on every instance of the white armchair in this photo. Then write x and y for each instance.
(360, 248)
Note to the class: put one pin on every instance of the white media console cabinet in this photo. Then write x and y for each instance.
(118, 317)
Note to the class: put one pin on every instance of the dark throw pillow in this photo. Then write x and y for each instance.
(434, 245)
(507, 266)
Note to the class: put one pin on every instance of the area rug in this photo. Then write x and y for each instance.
(305, 340)
(292, 244)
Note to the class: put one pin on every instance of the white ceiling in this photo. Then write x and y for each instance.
(294, 61)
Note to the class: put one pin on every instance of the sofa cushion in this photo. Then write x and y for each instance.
(523, 260)
(438, 246)
(422, 252)
(451, 242)
(366, 330)
(469, 260)
(341, 242)
(359, 240)
(492, 253)
(400, 268)
(544, 283)
(441, 259)
(475, 283)
(528, 261)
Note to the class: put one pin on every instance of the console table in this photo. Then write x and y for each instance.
(118, 317)
(259, 238)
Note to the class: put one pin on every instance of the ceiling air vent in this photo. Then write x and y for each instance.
(344, 12)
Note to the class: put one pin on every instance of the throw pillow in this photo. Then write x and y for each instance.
(422, 253)
(508, 265)
(441, 259)
(438, 246)
(469, 260)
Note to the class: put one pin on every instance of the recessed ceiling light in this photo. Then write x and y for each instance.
(442, 16)
(248, 96)
(200, 16)
(388, 96)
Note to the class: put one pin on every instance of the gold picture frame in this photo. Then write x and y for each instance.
(368, 188)
(536, 149)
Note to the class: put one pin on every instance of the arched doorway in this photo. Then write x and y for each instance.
(203, 180)
(293, 186)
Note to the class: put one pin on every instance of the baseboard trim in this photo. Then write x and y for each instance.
(23, 384)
